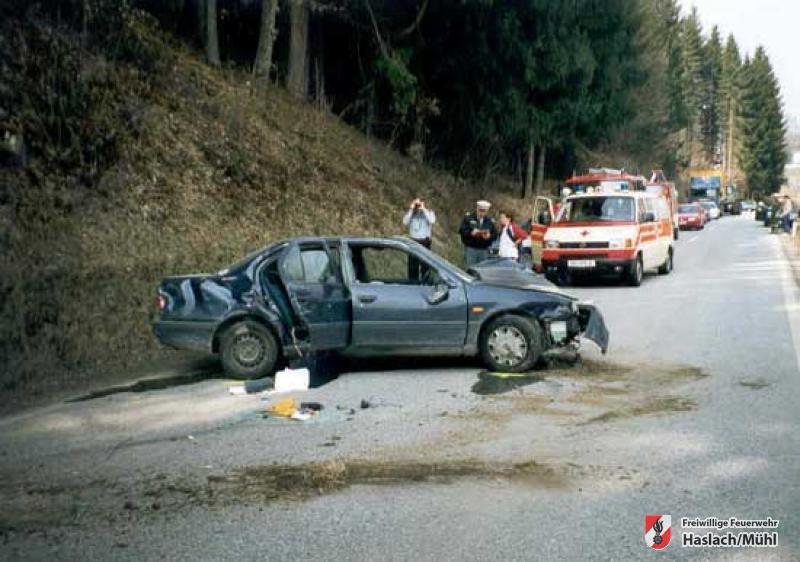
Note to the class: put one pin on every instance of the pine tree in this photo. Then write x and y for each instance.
(763, 153)
(710, 108)
(729, 95)
(692, 83)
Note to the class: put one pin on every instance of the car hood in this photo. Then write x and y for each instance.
(513, 276)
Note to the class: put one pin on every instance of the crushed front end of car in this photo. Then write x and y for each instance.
(565, 325)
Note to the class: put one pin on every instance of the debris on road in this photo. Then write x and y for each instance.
(251, 387)
(292, 380)
(285, 408)
(288, 408)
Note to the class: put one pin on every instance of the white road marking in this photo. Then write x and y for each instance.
(690, 240)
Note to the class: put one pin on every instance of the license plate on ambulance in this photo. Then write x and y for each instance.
(580, 264)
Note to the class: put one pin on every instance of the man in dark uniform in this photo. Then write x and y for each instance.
(477, 231)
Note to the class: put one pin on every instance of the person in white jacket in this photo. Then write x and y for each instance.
(420, 221)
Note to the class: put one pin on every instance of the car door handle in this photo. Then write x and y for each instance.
(366, 299)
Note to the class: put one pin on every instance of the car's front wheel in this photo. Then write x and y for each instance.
(512, 344)
(636, 272)
(668, 264)
(248, 350)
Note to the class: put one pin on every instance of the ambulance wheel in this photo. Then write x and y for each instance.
(676, 233)
(666, 267)
(636, 272)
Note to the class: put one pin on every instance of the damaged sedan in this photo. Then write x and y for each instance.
(368, 297)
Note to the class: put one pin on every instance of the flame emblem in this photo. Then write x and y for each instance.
(658, 527)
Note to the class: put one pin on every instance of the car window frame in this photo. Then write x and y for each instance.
(350, 268)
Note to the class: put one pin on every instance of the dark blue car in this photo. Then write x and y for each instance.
(368, 297)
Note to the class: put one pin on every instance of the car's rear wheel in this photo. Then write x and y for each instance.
(512, 344)
(666, 267)
(636, 272)
(248, 350)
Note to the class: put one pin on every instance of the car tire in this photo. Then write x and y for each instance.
(667, 266)
(248, 350)
(636, 272)
(512, 344)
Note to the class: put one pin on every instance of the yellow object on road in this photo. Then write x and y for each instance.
(285, 408)
(507, 375)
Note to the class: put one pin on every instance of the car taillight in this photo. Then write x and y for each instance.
(161, 302)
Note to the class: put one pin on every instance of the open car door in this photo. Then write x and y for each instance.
(542, 217)
(311, 273)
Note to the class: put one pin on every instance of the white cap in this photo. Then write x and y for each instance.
(484, 205)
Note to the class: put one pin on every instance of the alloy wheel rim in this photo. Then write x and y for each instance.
(507, 346)
(248, 350)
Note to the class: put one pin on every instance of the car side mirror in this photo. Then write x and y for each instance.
(649, 217)
(439, 294)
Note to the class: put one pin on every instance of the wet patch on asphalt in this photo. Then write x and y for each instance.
(662, 405)
(756, 384)
(296, 482)
(586, 392)
(498, 383)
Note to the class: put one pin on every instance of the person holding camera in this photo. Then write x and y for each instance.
(420, 221)
(477, 231)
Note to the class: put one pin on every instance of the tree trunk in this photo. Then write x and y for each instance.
(85, 21)
(200, 5)
(297, 80)
(540, 171)
(212, 44)
(266, 39)
(529, 171)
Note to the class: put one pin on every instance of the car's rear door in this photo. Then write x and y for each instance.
(542, 217)
(398, 311)
(311, 272)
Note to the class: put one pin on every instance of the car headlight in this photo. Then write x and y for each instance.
(619, 243)
(558, 331)
(551, 244)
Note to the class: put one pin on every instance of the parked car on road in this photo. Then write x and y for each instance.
(691, 216)
(620, 233)
(712, 211)
(748, 206)
(368, 297)
(731, 207)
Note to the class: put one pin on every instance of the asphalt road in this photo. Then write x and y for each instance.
(693, 413)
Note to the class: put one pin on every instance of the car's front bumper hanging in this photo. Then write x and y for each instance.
(593, 325)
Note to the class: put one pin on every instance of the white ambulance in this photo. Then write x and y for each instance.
(610, 231)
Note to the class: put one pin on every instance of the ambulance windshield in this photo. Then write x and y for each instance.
(598, 209)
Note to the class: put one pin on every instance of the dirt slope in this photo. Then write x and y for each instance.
(215, 171)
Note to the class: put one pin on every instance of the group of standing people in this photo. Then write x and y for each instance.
(788, 214)
(478, 231)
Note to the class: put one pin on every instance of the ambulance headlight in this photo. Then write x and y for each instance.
(551, 244)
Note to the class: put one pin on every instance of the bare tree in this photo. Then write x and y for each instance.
(266, 39)
(212, 44)
(297, 81)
